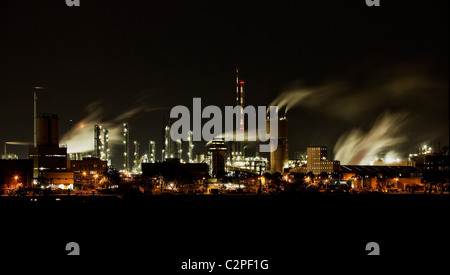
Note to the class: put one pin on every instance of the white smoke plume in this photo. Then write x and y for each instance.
(296, 94)
(359, 148)
(392, 157)
(80, 138)
(19, 143)
(407, 88)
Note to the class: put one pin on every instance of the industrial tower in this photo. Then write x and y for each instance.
(239, 146)
(136, 161)
(101, 143)
(126, 148)
(152, 151)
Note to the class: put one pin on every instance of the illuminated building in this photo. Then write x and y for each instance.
(49, 160)
(434, 165)
(255, 165)
(9, 156)
(279, 158)
(369, 177)
(218, 151)
(85, 170)
(6, 155)
(317, 161)
(237, 159)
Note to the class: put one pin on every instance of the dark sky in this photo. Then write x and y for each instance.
(129, 54)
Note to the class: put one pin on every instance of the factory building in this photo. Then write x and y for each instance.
(86, 171)
(7, 155)
(49, 159)
(237, 159)
(173, 148)
(218, 151)
(369, 177)
(317, 160)
(279, 158)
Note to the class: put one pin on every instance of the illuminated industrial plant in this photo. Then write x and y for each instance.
(220, 164)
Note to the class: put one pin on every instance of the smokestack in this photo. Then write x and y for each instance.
(35, 113)
(237, 87)
(241, 126)
(240, 102)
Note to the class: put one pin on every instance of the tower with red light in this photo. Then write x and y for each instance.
(240, 102)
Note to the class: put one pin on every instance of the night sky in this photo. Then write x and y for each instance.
(112, 57)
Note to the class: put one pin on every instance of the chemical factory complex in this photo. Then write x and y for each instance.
(175, 137)
(220, 167)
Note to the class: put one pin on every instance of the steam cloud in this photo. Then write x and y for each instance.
(80, 138)
(18, 143)
(406, 88)
(357, 147)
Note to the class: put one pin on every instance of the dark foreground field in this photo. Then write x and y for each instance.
(159, 232)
